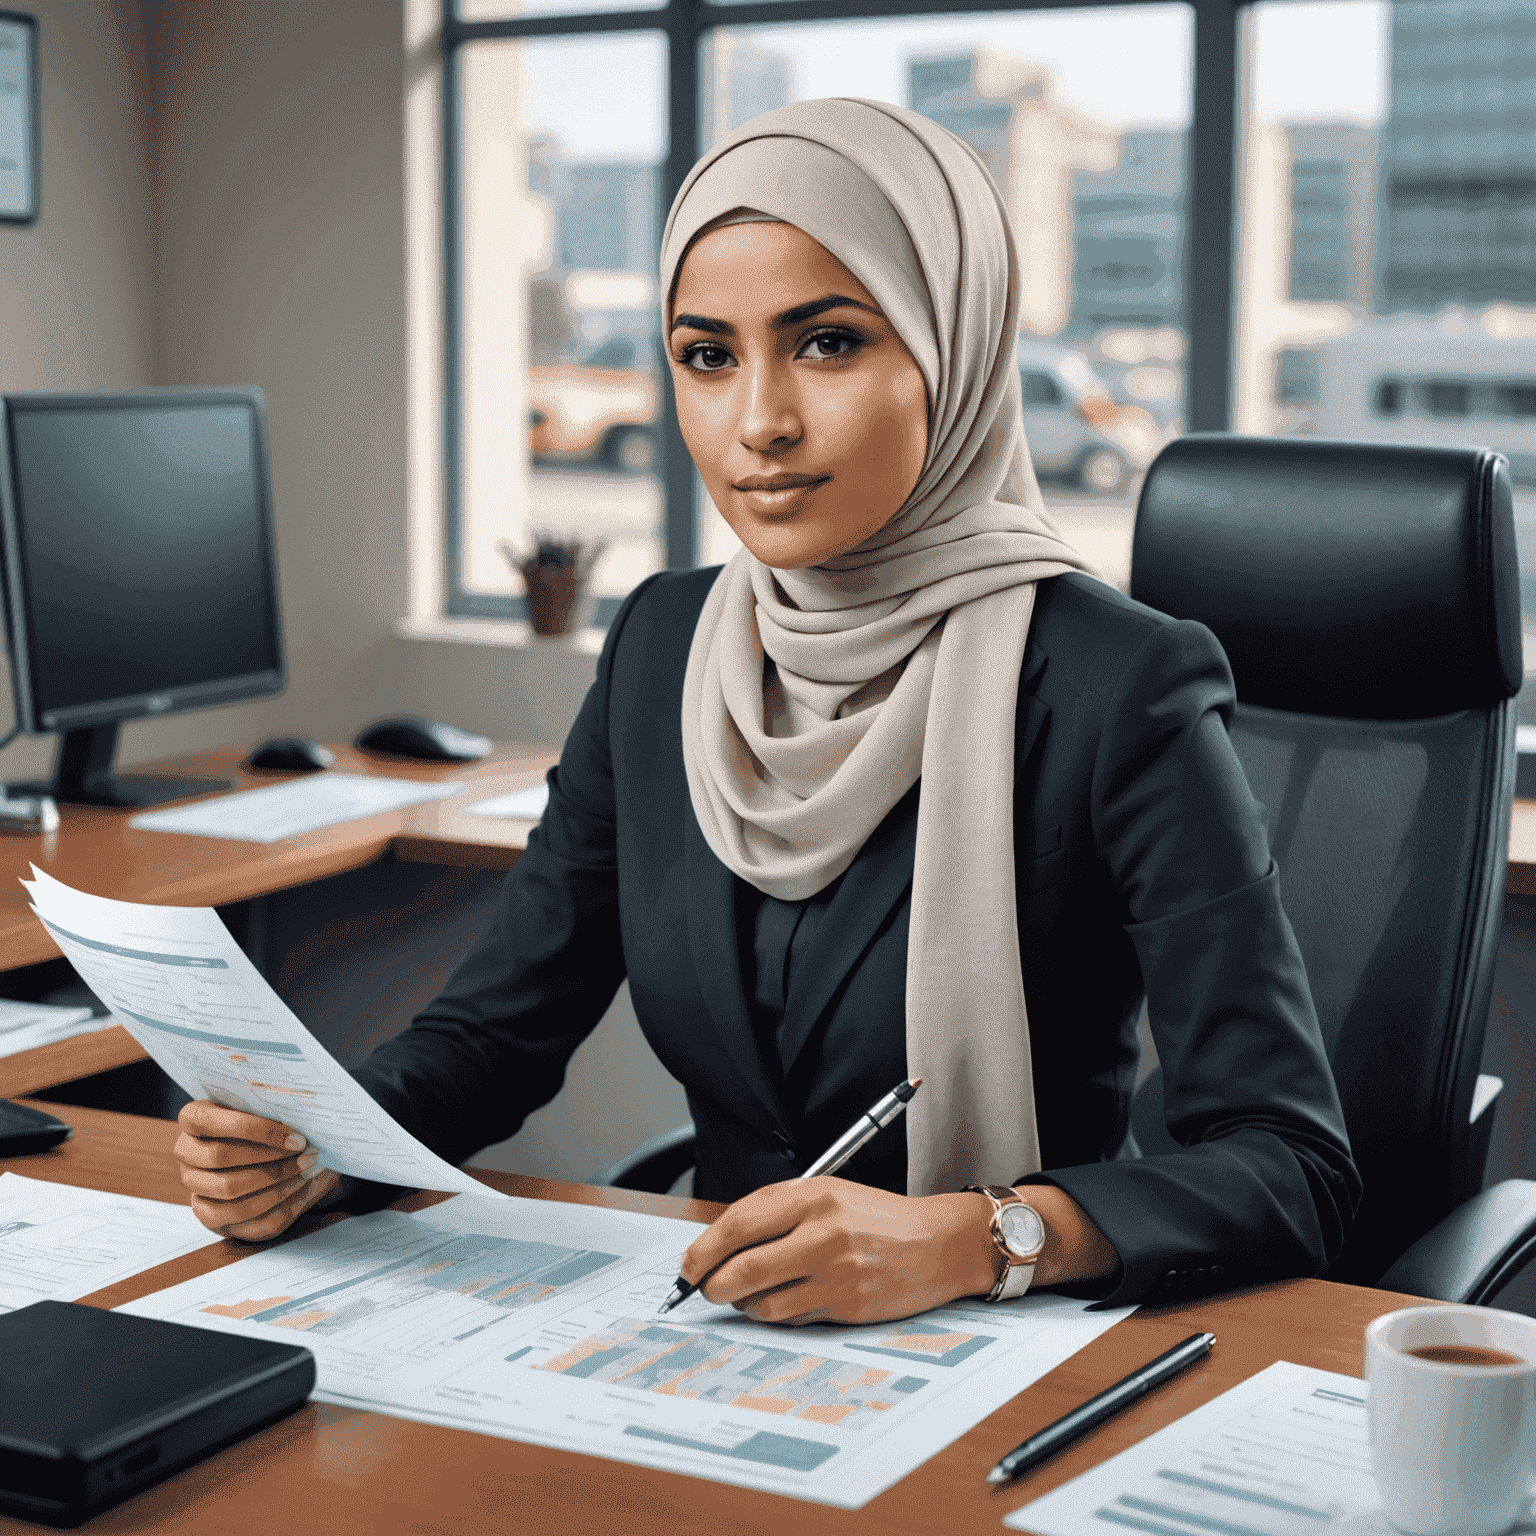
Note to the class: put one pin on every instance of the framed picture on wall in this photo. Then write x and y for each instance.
(19, 118)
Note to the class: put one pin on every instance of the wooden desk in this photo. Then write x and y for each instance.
(329, 1471)
(96, 850)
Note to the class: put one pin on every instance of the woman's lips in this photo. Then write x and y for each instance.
(778, 493)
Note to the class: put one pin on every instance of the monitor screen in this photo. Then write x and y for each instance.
(139, 533)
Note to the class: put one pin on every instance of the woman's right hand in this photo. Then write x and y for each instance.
(249, 1177)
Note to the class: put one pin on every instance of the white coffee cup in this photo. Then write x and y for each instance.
(1453, 1446)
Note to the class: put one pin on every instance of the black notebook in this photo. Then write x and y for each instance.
(95, 1406)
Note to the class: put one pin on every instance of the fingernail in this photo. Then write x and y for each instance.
(314, 1170)
(296, 1143)
(308, 1160)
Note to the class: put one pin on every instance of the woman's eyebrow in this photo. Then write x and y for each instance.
(779, 322)
(701, 323)
(815, 307)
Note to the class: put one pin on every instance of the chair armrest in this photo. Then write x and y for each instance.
(1476, 1251)
(655, 1165)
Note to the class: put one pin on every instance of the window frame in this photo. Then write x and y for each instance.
(1210, 216)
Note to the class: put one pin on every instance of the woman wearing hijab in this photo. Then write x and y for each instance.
(902, 790)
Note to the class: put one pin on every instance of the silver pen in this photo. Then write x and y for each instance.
(868, 1125)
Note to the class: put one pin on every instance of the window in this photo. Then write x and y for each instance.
(1296, 376)
(561, 392)
(1443, 397)
(1388, 396)
(567, 124)
(1515, 399)
(1387, 216)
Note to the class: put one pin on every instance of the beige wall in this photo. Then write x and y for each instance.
(77, 301)
(222, 203)
(243, 223)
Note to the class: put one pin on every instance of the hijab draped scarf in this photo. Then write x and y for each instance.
(814, 699)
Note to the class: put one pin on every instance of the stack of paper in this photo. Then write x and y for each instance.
(287, 810)
(537, 1321)
(61, 1243)
(519, 805)
(25, 1025)
(1286, 1453)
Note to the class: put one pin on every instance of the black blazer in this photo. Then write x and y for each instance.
(1142, 865)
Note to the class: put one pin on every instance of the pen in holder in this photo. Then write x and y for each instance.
(555, 577)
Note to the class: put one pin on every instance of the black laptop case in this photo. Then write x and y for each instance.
(95, 1406)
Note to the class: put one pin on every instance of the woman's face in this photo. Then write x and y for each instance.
(801, 406)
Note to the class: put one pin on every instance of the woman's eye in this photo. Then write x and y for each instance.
(704, 358)
(827, 344)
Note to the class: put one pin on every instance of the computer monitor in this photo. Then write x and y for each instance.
(140, 570)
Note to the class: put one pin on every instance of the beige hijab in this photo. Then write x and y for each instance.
(899, 659)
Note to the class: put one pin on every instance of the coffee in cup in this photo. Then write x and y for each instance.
(1464, 1354)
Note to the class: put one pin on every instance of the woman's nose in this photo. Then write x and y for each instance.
(770, 418)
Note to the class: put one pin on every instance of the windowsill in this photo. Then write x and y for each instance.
(509, 634)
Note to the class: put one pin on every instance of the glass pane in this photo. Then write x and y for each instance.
(1081, 116)
(560, 335)
(1387, 265)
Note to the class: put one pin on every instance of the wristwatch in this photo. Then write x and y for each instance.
(1019, 1234)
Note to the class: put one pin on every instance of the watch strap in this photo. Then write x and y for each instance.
(1016, 1274)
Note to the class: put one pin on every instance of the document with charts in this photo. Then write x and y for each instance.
(1286, 1453)
(537, 1321)
(180, 985)
(59, 1243)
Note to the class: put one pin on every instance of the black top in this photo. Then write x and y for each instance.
(1143, 870)
(775, 938)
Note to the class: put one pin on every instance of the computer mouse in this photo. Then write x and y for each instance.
(290, 754)
(429, 740)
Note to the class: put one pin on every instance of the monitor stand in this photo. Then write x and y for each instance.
(83, 775)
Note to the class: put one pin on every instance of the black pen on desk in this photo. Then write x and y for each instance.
(1093, 1413)
(868, 1125)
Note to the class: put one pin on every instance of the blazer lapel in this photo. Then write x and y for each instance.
(872, 886)
(717, 965)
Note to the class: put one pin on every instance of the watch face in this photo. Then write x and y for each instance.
(1022, 1230)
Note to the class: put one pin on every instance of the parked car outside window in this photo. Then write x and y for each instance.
(1075, 429)
(600, 410)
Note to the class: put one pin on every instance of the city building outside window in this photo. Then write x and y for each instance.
(1387, 231)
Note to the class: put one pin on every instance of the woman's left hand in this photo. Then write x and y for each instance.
(829, 1250)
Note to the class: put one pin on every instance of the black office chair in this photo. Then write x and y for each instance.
(1368, 601)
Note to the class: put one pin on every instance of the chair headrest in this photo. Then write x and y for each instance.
(1349, 579)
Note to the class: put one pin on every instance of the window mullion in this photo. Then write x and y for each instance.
(1210, 245)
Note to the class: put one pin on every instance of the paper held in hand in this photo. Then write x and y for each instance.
(180, 985)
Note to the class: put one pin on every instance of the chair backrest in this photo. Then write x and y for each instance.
(1368, 601)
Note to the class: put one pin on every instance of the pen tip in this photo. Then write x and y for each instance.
(915, 1082)
(997, 1475)
(670, 1302)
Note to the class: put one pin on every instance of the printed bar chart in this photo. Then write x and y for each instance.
(706, 1366)
(499, 1273)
